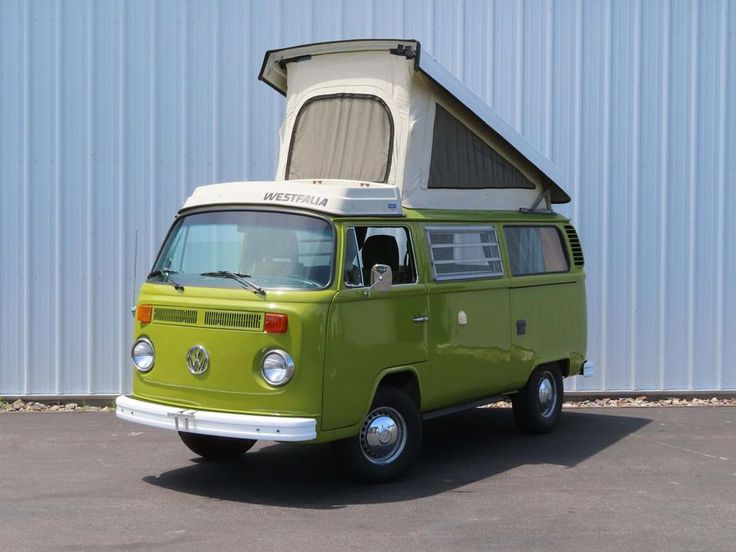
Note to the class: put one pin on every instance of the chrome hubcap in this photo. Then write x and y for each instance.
(383, 435)
(547, 392)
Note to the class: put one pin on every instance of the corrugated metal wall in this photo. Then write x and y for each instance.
(111, 112)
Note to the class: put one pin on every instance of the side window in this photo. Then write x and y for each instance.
(535, 250)
(369, 246)
(460, 253)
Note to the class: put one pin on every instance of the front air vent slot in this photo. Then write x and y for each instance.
(233, 320)
(577, 249)
(175, 316)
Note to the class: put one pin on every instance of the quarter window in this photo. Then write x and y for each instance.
(535, 250)
(460, 253)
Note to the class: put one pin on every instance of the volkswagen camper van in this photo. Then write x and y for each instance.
(404, 264)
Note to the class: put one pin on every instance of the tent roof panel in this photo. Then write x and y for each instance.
(273, 72)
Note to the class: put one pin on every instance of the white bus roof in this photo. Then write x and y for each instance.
(337, 197)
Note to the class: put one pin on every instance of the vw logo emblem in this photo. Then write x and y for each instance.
(198, 360)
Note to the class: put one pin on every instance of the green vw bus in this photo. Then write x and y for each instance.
(404, 264)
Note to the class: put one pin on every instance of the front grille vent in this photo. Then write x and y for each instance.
(577, 249)
(234, 320)
(175, 316)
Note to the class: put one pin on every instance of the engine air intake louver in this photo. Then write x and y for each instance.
(175, 316)
(233, 320)
(577, 249)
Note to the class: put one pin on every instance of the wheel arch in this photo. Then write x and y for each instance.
(404, 378)
(563, 364)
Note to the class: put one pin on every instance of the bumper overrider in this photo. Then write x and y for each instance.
(223, 424)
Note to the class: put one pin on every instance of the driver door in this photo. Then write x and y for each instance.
(370, 330)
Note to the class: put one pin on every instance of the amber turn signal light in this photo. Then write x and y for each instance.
(144, 314)
(275, 323)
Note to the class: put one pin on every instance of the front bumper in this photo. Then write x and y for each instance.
(223, 424)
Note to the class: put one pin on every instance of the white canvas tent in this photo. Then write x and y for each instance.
(384, 111)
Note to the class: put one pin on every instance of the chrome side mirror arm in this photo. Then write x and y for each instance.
(381, 278)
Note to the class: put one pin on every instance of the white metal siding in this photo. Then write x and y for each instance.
(111, 112)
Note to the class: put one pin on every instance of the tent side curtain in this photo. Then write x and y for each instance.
(461, 160)
(342, 136)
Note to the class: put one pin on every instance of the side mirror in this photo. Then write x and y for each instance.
(381, 277)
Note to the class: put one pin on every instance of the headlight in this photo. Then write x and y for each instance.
(143, 354)
(277, 367)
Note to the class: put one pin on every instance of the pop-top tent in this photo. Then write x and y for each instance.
(386, 112)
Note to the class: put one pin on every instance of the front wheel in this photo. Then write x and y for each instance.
(538, 404)
(389, 439)
(211, 447)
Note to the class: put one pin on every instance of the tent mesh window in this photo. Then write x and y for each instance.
(461, 160)
(342, 136)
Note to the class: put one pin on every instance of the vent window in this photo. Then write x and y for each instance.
(460, 253)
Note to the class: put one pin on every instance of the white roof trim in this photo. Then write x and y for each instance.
(337, 197)
(273, 73)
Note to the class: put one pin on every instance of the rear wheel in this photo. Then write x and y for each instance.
(211, 447)
(389, 439)
(538, 404)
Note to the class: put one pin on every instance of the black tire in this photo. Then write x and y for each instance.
(533, 413)
(211, 447)
(379, 463)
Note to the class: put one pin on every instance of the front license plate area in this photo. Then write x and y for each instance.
(182, 419)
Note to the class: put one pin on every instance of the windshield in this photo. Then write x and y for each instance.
(269, 249)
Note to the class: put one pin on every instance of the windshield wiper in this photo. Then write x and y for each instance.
(166, 275)
(238, 277)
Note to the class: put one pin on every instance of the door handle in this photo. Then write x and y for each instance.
(419, 319)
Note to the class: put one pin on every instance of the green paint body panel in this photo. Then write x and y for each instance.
(367, 334)
(469, 361)
(233, 382)
(345, 340)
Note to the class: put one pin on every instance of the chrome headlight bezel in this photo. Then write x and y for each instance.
(143, 341)
(277, 360)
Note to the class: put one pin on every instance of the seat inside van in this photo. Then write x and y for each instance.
(275, 254)
(380, 249)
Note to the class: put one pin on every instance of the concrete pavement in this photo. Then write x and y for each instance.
(607, 479)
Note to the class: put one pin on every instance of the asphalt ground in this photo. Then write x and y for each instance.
(607, 479)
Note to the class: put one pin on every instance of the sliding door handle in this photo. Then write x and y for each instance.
(419, 319)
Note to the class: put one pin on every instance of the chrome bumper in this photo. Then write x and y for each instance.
(223, 424)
